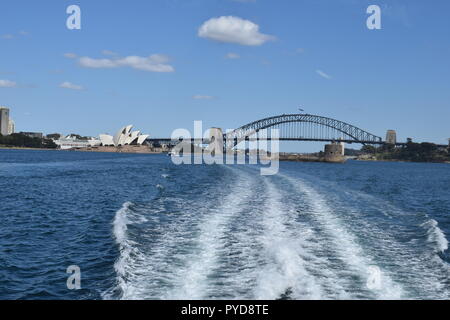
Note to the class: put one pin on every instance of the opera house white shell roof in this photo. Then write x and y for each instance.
(123, 137)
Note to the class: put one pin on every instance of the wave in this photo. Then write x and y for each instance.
(199, 266)
(120, 223)
(435, 235)
(127, 250)
(284, 272)
(347, 245)
(278, 237)
(389, 238)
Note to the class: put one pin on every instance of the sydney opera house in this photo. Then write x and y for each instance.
(124, 137)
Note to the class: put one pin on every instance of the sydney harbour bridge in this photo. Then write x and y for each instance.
(297, 127)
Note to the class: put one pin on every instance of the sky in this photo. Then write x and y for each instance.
(162, 64)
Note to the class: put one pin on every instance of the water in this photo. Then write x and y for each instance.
(140, 227)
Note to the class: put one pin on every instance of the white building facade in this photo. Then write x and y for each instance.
(11, 126)
(124, 137)
(71, 142)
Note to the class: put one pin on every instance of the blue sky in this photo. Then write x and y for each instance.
(313, 53)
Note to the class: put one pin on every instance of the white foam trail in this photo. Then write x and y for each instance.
(435, 235)
(193, 282)
(120, 223)
(347, 247)
(120, 227)
(421, 272)
(284, 269)
(291, 255)
(129, 253)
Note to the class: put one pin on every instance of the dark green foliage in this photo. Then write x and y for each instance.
(23, 141)
(54, 136)
(417, 152)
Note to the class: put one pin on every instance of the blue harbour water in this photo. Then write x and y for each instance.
(140, 227)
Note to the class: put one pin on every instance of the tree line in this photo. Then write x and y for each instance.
(411, 151)
(23, 141)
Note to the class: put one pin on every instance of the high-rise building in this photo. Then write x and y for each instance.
(4, 121)
(11, 126)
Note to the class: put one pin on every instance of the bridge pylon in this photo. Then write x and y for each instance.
(391, 137)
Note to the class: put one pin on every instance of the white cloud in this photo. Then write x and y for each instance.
(202, 97)
(70, 55)
(300, 50)
(10, 36)
(232, 55)
(109, 53)
(153, 63)
(323, 74)
(69, 85)
(97, 63)
(233, 30)
(7, 84)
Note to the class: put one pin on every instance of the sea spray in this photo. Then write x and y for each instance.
(435, 235)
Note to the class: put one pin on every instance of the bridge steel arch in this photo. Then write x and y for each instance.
(304, 127)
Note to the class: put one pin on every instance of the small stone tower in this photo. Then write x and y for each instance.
(391, 137)
(334, 153)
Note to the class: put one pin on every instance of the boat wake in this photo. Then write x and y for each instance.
(280, 237)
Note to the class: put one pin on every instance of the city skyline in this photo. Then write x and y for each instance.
(174, 62)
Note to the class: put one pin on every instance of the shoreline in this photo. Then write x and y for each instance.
(27, 148)
(135, 150)
(77, 150)
(395, 160)
(124, 149)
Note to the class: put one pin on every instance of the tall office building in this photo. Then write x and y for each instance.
(4, 121)
(11, 126)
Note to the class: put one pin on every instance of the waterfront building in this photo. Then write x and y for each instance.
(72, 142)
(106, 140)
(4, 121)
(124, 137)
(11, 127)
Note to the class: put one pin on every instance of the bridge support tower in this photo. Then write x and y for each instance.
(391, 137)
(216, 141)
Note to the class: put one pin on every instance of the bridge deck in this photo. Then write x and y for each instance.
(206, 141)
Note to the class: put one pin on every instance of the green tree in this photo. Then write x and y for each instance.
(368, 149)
